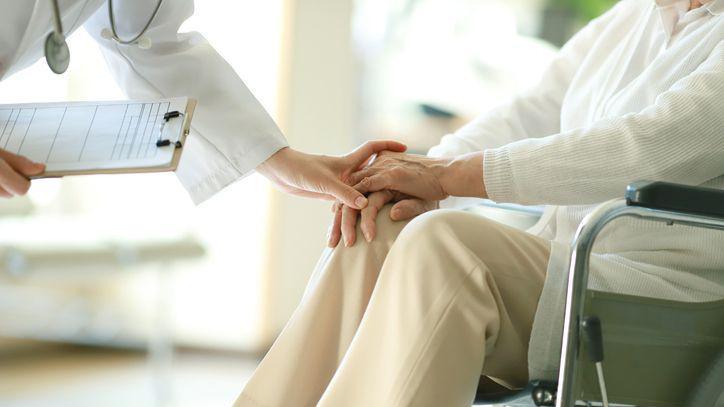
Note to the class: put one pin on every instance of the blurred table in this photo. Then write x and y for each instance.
(69, 248)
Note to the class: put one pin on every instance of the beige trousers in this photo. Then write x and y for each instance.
(412, 319)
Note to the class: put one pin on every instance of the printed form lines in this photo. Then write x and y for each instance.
(103, 133)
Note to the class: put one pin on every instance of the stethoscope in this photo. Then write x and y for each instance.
(57, 53)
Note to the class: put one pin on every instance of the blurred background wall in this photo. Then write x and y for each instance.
(86, 262)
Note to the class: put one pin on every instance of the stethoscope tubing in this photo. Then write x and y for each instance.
(57, 54)
(57, 22)
(112, 19)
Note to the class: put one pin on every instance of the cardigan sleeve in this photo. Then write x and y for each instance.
(678, 139)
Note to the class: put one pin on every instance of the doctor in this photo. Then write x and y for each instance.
(232, 133)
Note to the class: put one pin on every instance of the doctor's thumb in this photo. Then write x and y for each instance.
(22, 164)
(347, 195)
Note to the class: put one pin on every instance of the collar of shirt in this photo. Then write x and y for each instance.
(674, 14)
(715, 7)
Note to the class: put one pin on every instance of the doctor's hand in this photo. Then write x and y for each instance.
(345, 218)
(323, 177)
(14, 172)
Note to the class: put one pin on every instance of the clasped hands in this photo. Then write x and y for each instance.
(414, 184)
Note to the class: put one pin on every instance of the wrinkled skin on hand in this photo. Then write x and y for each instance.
(414, 183)
(413, 175)
(411, 182)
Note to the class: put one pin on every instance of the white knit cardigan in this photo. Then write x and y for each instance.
(637, 94)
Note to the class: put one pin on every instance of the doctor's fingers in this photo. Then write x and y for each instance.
(384, 162)
(388, 179)
(335, 230)
(363, 153)
(307, 194)
(366, 172)
(369, 214)
(11, 181)
(345, 193)
(293, 190)
(22, 164)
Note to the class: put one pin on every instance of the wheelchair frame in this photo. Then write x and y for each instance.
(588, 231)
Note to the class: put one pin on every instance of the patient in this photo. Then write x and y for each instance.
(414, 312)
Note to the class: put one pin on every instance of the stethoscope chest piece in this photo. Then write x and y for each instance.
(57, 53)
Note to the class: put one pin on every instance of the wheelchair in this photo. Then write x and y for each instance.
(658, 353)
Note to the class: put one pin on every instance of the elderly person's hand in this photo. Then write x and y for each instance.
(415, 182)
(345, 218)
(14, 172)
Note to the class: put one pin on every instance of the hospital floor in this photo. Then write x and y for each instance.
(62, 376)
(80, 377)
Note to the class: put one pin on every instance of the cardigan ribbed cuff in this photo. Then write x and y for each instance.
(498, 175)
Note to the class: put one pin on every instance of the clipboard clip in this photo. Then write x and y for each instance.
(170, 115)
(166, 142)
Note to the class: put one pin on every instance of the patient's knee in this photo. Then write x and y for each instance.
(447, 230)
(432, 224)
(363, 256)
(423, 251)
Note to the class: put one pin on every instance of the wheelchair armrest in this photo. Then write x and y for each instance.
(676, 197)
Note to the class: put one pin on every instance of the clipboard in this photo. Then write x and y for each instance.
(82, 138)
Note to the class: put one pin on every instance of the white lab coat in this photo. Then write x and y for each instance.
(231, 132)
(637, 94)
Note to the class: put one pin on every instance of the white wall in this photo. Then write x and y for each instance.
(317, 106)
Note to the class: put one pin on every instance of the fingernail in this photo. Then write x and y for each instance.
(366, 234)
(361, 202)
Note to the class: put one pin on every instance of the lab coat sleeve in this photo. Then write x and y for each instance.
(534, 113)
(231, 132)
(677, 139)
